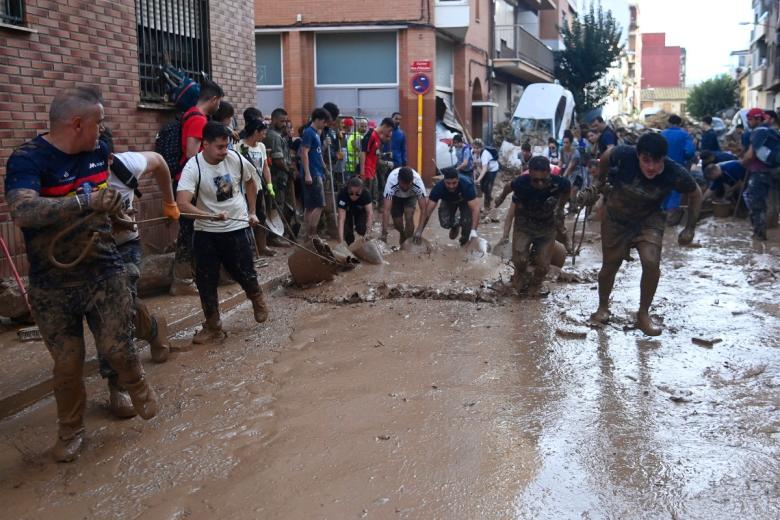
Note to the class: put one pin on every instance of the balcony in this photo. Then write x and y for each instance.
(757, 79)
(453, 17)
(521, 54)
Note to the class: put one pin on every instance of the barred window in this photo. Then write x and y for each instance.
(174, 33)
(12, 12)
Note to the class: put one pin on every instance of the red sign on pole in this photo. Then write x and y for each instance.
(421, 66)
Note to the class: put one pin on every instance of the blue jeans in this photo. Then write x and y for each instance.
(756, 195)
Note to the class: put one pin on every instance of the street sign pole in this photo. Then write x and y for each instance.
(419, 132)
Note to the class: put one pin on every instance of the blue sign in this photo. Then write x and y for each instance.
(421, 84)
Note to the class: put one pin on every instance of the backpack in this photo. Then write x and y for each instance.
(182, 90)
(168, 143)
(493, 152)
(766, 146)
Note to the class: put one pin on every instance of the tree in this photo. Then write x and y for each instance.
(713, 95)
(592, 44)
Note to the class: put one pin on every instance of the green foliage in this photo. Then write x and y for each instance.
(713, 95)
(592, 44)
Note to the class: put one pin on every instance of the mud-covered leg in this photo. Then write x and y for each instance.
(110, 316)
(409, 221)
(59, 317)
(542, 258)
(521, 244)
(236, 256)
(650, 256)
(612, 259)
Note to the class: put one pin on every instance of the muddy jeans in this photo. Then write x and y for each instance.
(232, 250)
(756, 196)
(527, 241)
(108, 307)
(145, 326)
(448, 217)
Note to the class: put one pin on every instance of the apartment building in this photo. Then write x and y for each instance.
(764, 57)
(47, 45)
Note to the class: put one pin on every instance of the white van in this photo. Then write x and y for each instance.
(545, 110)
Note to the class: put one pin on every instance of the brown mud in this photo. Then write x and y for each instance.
(413, 406)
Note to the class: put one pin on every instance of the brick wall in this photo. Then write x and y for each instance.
(272, 13)
(91, 42)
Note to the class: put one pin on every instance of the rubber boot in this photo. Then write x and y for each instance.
(119, 403)
(210, 333)
(143, 397)
(68, 450)
(259, 306)
(154, 330)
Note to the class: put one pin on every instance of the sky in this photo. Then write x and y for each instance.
(708, 29)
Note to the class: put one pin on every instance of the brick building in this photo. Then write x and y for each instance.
(47, 45)
(361, 55)
(662, 65)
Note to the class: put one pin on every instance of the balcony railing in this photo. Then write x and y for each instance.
(515, 43)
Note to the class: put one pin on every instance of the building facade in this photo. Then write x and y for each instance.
(520, 57)
(48, 45)
(662, 65)
(763, 78)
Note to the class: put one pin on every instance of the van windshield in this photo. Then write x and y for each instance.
(541, 128)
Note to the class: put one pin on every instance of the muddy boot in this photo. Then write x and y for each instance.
(259, 306)
(68, 450)
(602, 315)
(143, 397)
(158, 345)
(183, 287)
(152, 329)
(646, 325)
(210, 333)
(275, 241)
(119, 403)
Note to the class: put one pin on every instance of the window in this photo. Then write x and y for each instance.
(445, 53)
(365, 58)
(174, 32)
(12, 12)
(268, 57)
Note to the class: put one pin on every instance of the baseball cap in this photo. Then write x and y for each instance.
(756, 112)
(372, 124)
(348, 122)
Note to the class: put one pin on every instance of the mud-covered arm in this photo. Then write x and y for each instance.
(342, 218)
(604, 165)
(474, 207)
(30, 210)
(508, 221)
(506, 191)
(429, 207)
(369, 217)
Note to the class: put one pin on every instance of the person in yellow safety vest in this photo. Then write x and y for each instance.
(353, 144)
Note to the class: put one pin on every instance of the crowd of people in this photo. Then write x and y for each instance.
(73, 198)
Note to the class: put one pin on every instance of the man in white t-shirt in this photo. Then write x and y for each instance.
(487, 169)
(218, 185)
(404, 188)
(125, 169)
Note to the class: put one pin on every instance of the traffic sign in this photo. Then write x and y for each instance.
(421, 84)
(421, 66)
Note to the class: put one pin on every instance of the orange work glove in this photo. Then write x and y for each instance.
(171, 210)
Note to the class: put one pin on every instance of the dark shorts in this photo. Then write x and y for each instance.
(625, 235)
(401, 204)
(314, 195)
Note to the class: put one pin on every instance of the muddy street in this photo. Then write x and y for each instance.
(409, 390)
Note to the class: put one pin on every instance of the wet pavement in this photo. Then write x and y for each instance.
(395, 392)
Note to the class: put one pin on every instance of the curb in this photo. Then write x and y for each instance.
(35, 392)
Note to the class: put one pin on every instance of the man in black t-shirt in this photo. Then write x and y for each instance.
(355, 210)
(607, 136)
(636, 180)
(539, 199)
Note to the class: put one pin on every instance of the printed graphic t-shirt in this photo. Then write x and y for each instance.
(221, 190)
